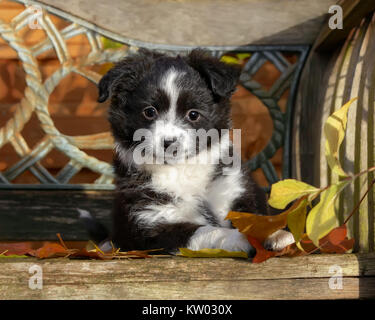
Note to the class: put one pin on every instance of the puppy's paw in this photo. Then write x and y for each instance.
(220, 238)
(278, 240)
(236, 241)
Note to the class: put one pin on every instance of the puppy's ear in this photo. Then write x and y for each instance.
(126, 74)
(106, 82)
(221, 78)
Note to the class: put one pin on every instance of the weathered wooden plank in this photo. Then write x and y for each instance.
(181, 278)
(294, 289)
(199, 23)
(40, 214)
(199, 269)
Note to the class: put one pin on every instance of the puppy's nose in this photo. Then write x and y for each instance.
(169, 142)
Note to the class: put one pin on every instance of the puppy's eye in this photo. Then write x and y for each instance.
(193, 115)
(150, 113)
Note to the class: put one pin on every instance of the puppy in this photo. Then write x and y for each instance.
(179, 194)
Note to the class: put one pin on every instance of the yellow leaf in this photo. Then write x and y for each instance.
(110, 44)
(288, 190)
(297, 219)
(322, 218)
(13, 256)
(334, 131)
(229, 60)
(212, 253)
(243, 55)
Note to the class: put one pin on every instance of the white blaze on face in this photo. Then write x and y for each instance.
(169, 85)
(168, 127)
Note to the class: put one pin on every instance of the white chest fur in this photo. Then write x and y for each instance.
(184, 181)
(192, 185)
(221, 193)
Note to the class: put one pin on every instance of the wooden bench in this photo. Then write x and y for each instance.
(309, 277)
(264, 28)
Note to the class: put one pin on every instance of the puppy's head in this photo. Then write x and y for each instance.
(168, 97)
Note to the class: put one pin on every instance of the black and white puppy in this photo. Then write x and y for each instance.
(171, 204)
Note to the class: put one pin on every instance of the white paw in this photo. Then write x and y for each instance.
(235, 241)
(278, 240)
(219, 238)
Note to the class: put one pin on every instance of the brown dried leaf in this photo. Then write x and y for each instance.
(260, 227)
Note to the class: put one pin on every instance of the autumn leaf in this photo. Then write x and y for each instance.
(212, 253)
(238, 58)
(261, 227)
(229, 60)
(110, 44)
(343, 247)
(337, 235)
(322, 226)
(262, 254)
(305, 244)
(334, 130)
(2, 255)
(257, 226)
(297, 219)
(49, 250)
(322, 217)
(336, 241)
(243, 55)
(94, 252)
(76, 249)
(288, 190)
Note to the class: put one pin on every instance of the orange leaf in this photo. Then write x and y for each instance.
(257, 226)
(72, 249)
(336, 241)
(307, 244)
(343, 247)
(337, 235)
(261, 253)
(49, 250)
